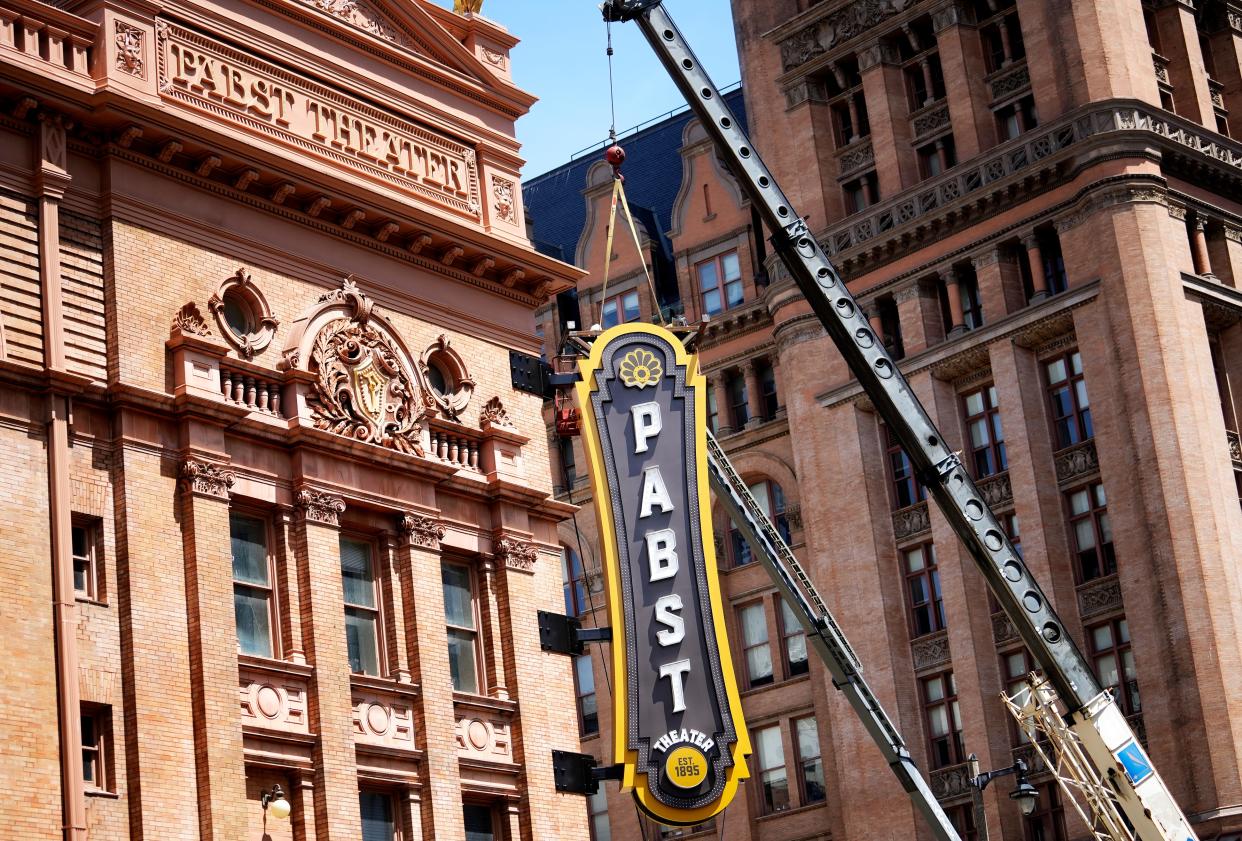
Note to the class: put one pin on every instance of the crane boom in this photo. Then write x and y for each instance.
(1110, 741)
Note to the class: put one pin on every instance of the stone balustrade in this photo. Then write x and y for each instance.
(254, 392)
(62, 42)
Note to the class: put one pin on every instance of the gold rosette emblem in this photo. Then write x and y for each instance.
(640, 368)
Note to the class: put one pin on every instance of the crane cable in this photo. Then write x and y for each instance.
(615, 156)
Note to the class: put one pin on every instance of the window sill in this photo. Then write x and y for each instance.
(769, 687)
(102, 794)
(89, 600)
(794, 811)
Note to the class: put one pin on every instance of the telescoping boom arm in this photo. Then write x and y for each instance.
(1107, 737)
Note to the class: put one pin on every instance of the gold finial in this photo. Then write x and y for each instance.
(464, 7)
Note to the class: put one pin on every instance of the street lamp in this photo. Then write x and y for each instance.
(275, 802)
(1025, 794)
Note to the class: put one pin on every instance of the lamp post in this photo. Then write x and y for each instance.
(1025, 794)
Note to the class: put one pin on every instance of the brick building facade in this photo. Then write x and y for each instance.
(273, 511)
(1037, 204)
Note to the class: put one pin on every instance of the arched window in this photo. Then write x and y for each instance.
(574, 581)
(771, 499)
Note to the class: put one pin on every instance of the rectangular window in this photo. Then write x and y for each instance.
(810, 764)
(936, 157)
(1001, 35)
(362, 616)
(1047, 822)
(621, 309)
(755, 649)
(569, 463)
(96, 724)
(1055, 277)
(773, 780)
(771, 498)
(1015, 666)
(923, 590)
(739, 406)
(963, 819)
(252, 585)
(379, 821)
(573, 581)
(861, 192)
(86, 572)
(459, 613)
(1093, 533)
(1114, 663)
(713, 412)
(1067, 395)
(480, 822)
(767, 388)
(1016, 118)
(720, 283)
(794, 639)
(983, 427)
(943, 719)
(972, 306)
(597, 812)
(907, 489)
(584, 682)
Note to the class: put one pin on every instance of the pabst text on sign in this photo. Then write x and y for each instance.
(258, 96)
(678, 719)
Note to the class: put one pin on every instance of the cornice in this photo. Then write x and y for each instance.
(1051, 154)
(121, 202)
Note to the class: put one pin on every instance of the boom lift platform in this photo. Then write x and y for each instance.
(1111, 755)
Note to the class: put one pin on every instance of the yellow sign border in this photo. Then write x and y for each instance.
(741, 749)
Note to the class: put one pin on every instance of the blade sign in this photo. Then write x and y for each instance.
(678, 727)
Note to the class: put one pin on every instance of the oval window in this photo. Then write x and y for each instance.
(437, 378)
(237, 314)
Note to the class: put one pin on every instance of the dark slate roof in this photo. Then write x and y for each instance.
(652, 170)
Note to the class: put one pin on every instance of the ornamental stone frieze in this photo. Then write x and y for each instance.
(204, 478)
(365, 384)
(319, 506)
(1100, 596)
(911, 522)
(364, 16)
(997, 491)
(931, 651)
(1076, 462)
(1003, 630)
(836, 28)
(516, 554)
(421, 531)
(363, 391)
(950, 783)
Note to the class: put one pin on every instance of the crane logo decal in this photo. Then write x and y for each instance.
(678, 722)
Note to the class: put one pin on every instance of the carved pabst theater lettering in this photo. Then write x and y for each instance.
(241, 90)
(680, 734)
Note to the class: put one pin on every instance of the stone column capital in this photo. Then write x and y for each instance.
(207, 479)
(516, 554)
(319, 507)
(421, 531)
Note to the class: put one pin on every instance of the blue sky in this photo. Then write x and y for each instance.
(561, 60)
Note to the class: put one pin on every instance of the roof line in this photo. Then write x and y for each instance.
(658, 119)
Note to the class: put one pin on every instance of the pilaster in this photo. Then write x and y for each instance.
(885, 90)
(418, 557)
(316, 530)
(51, 180)
(206, 546)
(961, 58)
